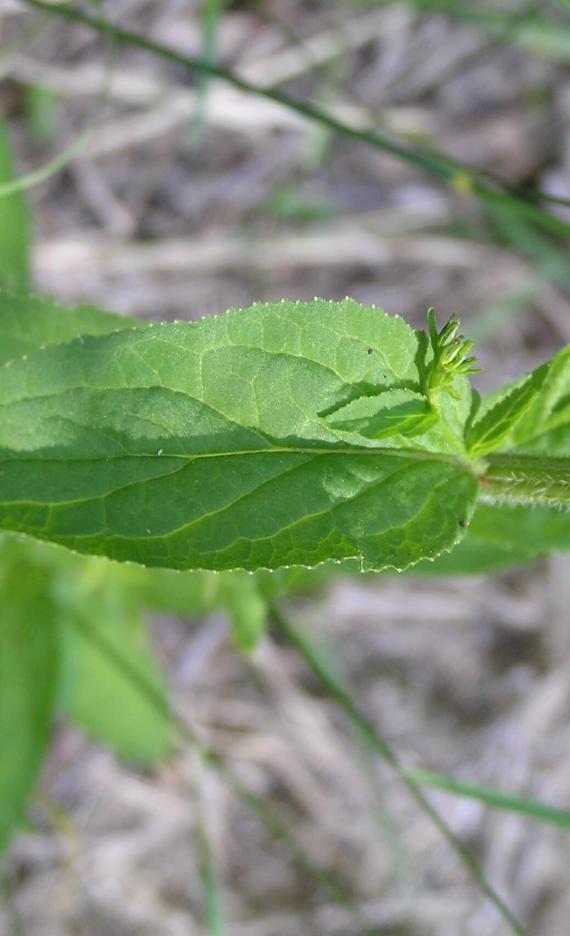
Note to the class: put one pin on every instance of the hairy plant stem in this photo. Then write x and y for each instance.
(365, 727)
(526, 480)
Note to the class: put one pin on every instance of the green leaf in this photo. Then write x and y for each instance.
(105, 657)
(247, 608)
(545, 427)
(14, 224)
(28, 323)
(181, 593)
(28, 677)
(500, 536)
(531, 416)
(41, 106)
(202, 444)
(499, 414)
(391, 413)
(241, 594)
(96, 607)
(524, 431)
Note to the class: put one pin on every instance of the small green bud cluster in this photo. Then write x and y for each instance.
(450, 352)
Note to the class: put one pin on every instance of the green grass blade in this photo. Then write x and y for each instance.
(279, 829)
(41, 106)
(344, 701)
(15, 185)
(482, 183)
(21, 183)
(209, 17)
(500, 799)
(29, 671)
(529, 28)
(213, 907)
(550, 259)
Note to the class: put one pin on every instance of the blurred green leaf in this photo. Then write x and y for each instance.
(28, 323)
(528, 26)
(482, 183)
(247, 609)
(241, 594)
(548, 255)
(99, 629)
(210, 13)
(41, 105)
(29, 658)
(289, 204)
(15, 232)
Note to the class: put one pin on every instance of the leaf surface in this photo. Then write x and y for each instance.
(28, 323)
(545, 427)
(202, 445)
(391, 413)
(532, 416)
(501, 412)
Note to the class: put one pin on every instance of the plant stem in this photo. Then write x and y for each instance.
(526, 480)
(213, 913)
(343, 700)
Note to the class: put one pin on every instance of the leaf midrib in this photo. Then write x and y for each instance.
(454, 460)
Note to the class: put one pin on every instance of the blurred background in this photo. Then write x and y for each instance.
(169, 194)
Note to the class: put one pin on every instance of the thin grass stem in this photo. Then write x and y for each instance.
(480, 182)
(279, 830)
(365, 727)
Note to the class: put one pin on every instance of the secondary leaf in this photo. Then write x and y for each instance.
(501, 412)
(241, 594)
(532, 416)
(201, 444)
(105, 657)
(95, 610)
(545, 427)
(28, 323)
(391, 413)
(28, 675)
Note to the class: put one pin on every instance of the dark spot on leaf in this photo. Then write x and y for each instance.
(370, 351)
(461, 522)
